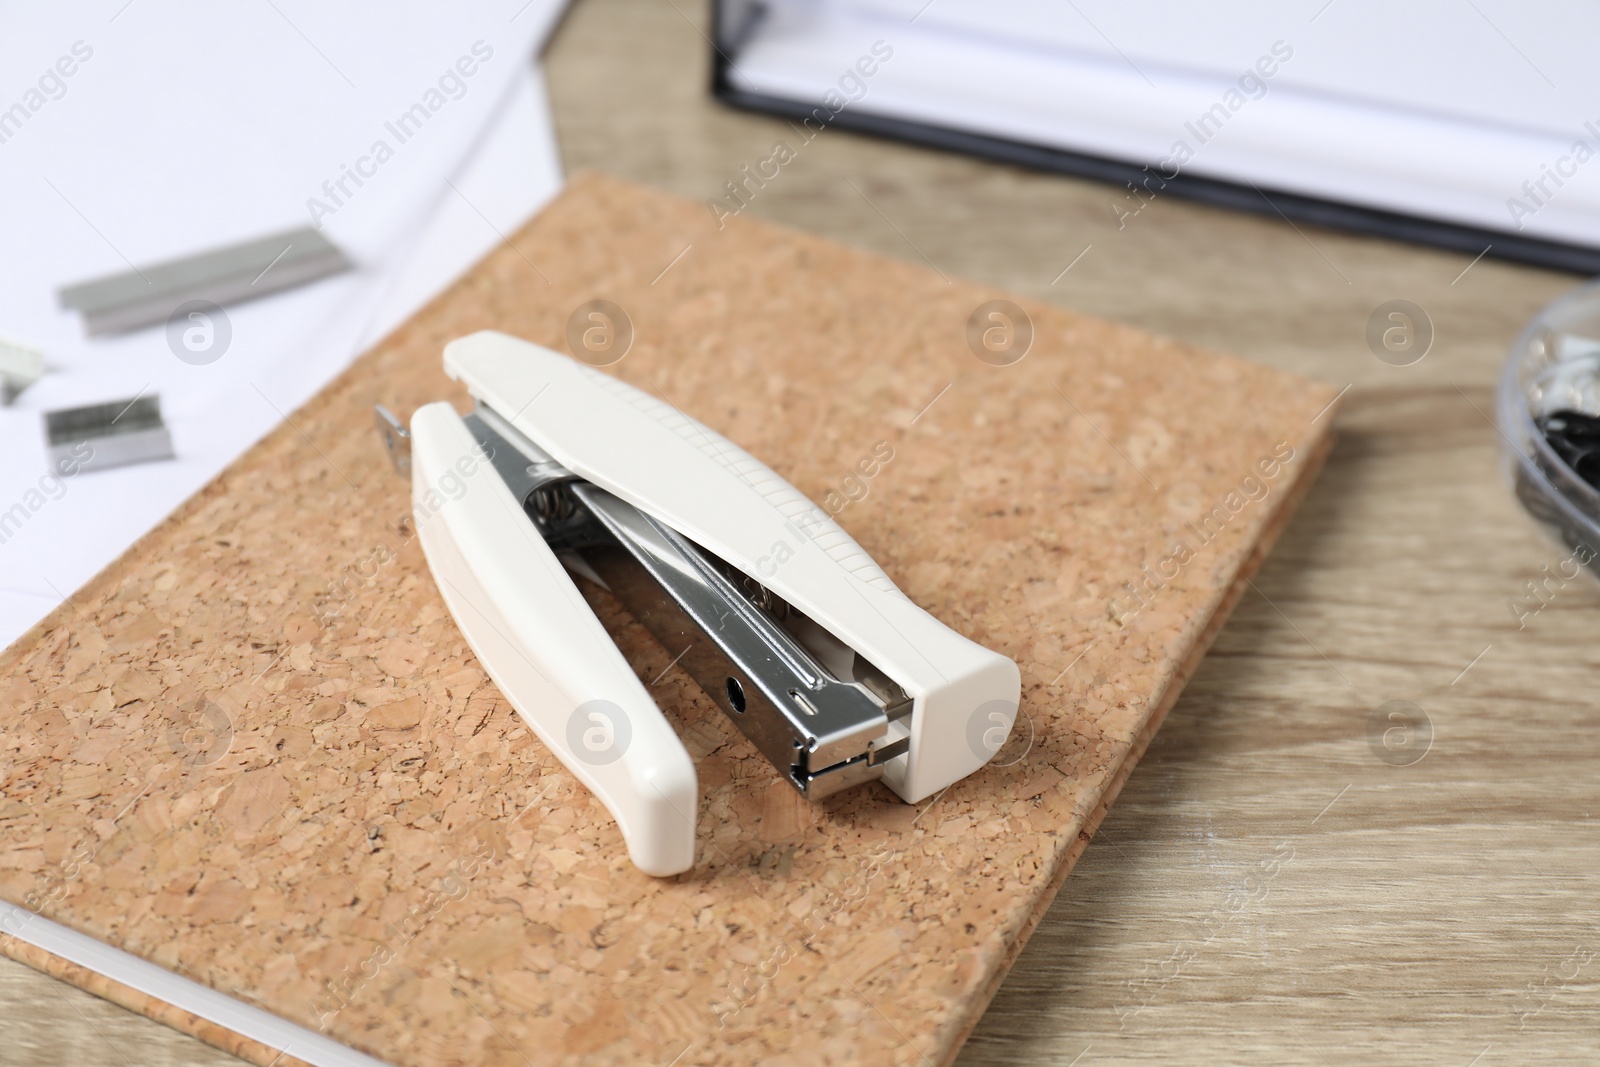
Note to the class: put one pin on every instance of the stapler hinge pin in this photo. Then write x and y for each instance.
(396, 438)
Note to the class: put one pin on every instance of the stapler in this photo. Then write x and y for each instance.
(805, 644)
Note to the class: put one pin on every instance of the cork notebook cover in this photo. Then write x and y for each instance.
(257, 752)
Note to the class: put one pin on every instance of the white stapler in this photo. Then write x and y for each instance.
(827, 667)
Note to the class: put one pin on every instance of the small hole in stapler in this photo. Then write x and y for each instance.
(736, 694)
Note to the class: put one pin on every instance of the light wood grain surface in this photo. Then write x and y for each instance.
(1269, 887)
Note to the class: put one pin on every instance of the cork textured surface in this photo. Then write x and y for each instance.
(257, 751)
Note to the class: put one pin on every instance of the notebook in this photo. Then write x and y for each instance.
(1462, 126)
(256, 786)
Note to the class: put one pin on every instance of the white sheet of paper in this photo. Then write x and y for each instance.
(443, 209)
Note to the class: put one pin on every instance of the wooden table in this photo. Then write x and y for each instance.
(1269, 887)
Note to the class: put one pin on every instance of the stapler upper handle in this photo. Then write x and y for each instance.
(542, 644)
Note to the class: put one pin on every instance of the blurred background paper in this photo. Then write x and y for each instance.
(1459, 124)
(183, 127)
